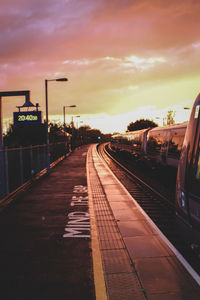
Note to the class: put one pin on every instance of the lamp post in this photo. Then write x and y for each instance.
(47, 120)
(64, 122)
(77, 135)
(77, 121)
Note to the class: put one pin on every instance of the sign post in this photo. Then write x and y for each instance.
(28, 117)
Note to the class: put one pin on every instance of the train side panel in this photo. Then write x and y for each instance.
(133, 142)
(175, 143)
(164, 144)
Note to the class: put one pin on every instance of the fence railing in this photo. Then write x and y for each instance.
(18, 165)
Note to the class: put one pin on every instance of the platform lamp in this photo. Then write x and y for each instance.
(77, 121)
(77, 135)
(47, 120)
(70, 106)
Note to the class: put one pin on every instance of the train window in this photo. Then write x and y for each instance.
(195, 174)
(125, 140)
(136, 141)
(198, 168)
(175, 144)
(154, 143)
(196, 112)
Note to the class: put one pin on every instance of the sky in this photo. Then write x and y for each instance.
(124, 60)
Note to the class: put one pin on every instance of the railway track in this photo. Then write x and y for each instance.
(158, 207)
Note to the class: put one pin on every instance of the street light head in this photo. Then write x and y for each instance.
(72, 106)
(61, 79)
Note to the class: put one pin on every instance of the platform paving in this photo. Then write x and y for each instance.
(77, 234)
(139, 262)
(38, 257)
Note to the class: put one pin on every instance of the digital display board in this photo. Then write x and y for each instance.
(27, 117)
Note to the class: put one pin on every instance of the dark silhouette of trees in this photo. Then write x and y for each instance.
(141, 124)
(56, 133)
(86, 135)
(25, 135)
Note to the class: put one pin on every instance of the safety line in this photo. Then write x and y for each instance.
(99, 281)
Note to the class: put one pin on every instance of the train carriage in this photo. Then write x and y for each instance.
(133, 142)
(188, 179)
(164, 144)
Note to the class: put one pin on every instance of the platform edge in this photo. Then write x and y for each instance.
(99, 280)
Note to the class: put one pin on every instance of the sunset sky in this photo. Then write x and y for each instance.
(124, 59)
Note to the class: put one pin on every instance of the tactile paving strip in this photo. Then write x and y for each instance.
(123, 286)
(120, 276)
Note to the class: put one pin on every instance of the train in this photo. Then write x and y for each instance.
(177, 147)
(157, 146)
(188, 180)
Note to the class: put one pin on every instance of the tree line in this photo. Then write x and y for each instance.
(26, 135)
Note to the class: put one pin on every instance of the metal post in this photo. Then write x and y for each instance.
(47, 133)
(1, 125)
(66, 138)
(72, 137)
(1, 151)
(6, 171)
(64, 130)
(31, 161)
(21, 166)
(38, 159)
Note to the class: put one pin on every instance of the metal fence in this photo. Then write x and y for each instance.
(19, 165)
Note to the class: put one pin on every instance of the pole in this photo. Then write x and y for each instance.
(64, 117)
(2, 186)
(1, 125)
(21, 165)
(64, 130)
(6, 171)
(47, 133)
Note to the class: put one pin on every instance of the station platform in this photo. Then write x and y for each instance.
(78, 234)
(138, 261)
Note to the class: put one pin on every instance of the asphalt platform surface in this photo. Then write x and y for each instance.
(40, 254)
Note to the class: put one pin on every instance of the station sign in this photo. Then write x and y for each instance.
(27, 117)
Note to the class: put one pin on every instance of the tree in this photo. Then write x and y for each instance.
(93, 135)
(25, 135)
(35, 134)
(56, 133)
(169, 118)
(141, 124)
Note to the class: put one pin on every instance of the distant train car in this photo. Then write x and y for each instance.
(133, 142)
(188, 179)
(164, 144)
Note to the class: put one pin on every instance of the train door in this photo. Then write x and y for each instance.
(165, 145)
(175, 146)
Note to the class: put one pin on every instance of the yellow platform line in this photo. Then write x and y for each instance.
(99, 280)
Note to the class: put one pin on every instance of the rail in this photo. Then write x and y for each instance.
(134, 176)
